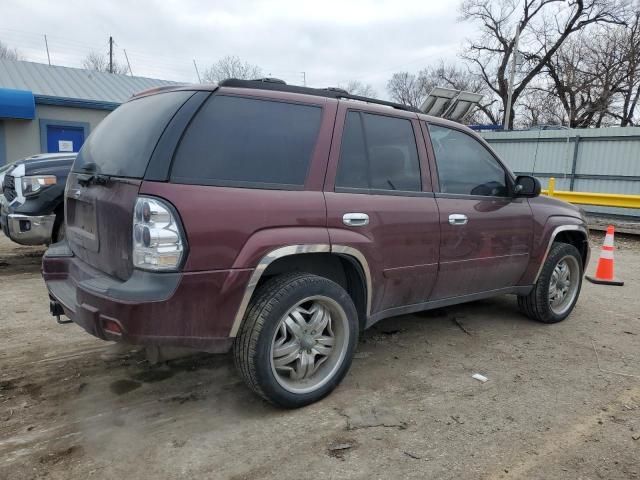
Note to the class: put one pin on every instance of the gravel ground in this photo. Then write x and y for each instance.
(562, 401)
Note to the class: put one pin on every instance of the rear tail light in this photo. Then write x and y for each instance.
(157, 237)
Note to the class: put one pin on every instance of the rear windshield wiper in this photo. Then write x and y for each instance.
(91, 177)
(86, 179)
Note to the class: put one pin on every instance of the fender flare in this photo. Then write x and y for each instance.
(289, 250)
(562, 228)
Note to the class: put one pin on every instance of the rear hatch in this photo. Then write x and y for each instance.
(105, 179)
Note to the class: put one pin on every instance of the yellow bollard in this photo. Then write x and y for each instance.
(552, 187)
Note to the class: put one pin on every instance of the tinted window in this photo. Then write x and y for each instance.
(123, 142)
(465, 166)
(247, 142)
(378, 153)
(353, 170)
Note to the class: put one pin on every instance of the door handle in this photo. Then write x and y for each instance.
(355, 219)
(458, 219)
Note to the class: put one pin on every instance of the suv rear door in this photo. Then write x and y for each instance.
(486, 231)
(379, 201)
(106, 176)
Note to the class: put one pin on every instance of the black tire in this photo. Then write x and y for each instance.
(536, 305)
(253, 345)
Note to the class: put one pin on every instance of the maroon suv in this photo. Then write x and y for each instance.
(280, 221)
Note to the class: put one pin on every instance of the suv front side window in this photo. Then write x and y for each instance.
(378, 154)
(465, 166)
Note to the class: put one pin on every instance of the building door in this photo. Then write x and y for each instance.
(64, 139)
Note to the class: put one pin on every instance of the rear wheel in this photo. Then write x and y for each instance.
(558, 287)
(298, 338)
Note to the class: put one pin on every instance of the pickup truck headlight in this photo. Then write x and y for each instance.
(33, 184)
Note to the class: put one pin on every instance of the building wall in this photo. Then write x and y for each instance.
(22, 137)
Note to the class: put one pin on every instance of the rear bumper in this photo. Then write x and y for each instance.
(194, 310)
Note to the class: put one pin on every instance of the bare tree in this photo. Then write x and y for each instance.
(100, 63)
(459, 78)
(407, 88)
(595, 76)
(545, 26)
(629, 89)
(356, 87)
(539, 106)
(410, 89)
(9, 53)
(231, 66)
(586, 73)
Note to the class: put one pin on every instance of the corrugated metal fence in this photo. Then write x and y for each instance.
(605, 160)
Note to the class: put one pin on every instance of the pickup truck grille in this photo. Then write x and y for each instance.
(9, 188)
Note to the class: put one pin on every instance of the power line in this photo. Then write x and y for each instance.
(110, 54)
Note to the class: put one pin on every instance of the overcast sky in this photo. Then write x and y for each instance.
(332, 41)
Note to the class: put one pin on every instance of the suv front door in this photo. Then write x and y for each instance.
(485, 231)
(379, 202)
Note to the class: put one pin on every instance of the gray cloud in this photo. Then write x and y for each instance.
(333, 42)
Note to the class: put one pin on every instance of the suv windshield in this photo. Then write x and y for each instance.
(123, 142)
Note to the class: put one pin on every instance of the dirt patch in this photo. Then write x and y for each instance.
(340, 447)
(60, 456)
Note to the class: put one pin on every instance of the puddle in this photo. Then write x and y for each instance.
(120, 387)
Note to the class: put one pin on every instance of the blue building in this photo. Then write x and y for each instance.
(53, 109)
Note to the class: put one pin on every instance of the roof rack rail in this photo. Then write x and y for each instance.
(159, 89)
(330, 92)
(270, 80)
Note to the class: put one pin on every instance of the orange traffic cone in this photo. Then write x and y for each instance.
(604, 271)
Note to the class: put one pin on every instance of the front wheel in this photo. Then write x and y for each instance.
(297, 340)
(558, 287)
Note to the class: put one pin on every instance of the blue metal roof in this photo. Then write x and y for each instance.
(75, 87)
(17, 104)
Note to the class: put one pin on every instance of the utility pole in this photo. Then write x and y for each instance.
(304, 78)
(197, 72)
(512, 75)
(46, 44)
(110, 54)
(128, 64)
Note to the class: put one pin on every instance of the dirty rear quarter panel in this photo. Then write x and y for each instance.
(235, 227)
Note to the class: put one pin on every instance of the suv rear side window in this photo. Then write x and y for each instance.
(465, 166)
(123, 142)
(378, 153)
(245, 142)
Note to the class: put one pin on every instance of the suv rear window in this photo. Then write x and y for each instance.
(379, 154)
(123, 142)
(246, 142)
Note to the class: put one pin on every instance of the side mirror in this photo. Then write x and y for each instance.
(527, 186)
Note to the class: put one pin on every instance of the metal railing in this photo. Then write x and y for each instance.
(588, 198)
